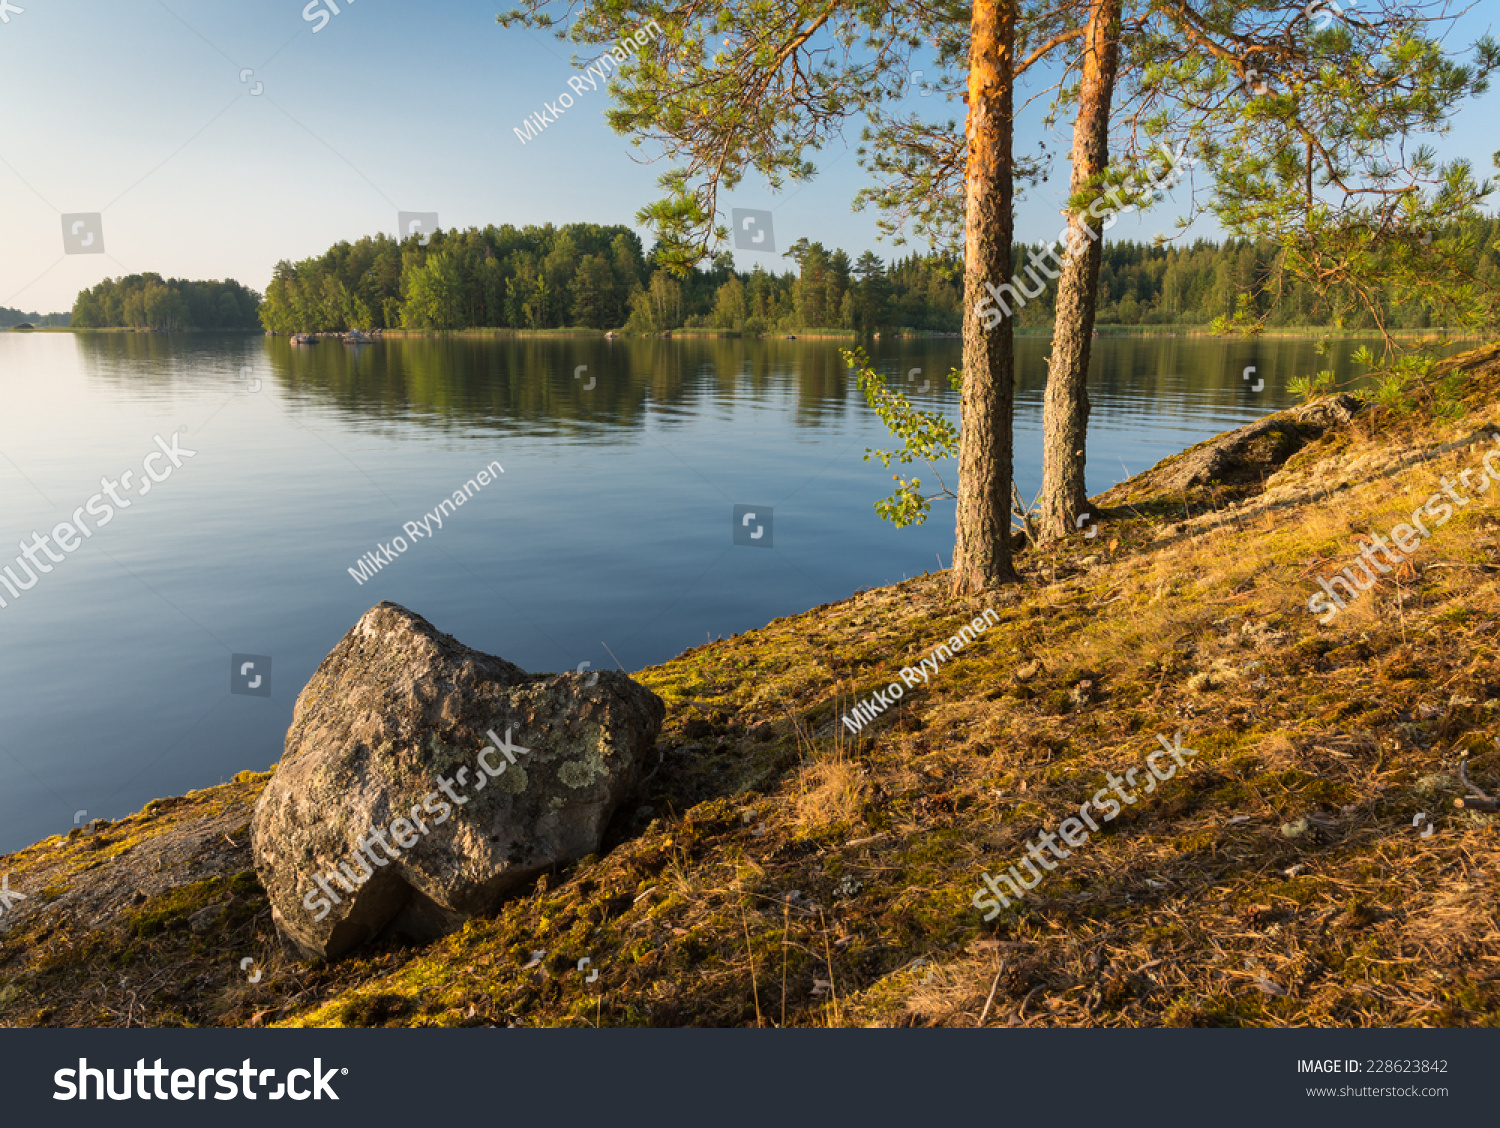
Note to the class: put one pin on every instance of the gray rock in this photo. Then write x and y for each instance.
(423, 781)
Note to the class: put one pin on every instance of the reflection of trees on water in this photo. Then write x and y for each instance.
(456, 381)
(1189, 377)
(131, 360)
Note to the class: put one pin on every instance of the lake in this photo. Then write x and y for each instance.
(606, 534)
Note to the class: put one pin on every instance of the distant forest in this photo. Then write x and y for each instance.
(12, 317)
(588, 276)
(147, 301)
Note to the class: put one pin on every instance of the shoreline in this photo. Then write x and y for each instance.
(1103, 332)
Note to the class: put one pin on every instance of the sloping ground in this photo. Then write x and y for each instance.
(127, 923)
(1308, 867)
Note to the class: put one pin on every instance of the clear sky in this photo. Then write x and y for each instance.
(145, 113)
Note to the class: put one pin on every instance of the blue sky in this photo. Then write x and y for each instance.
(138, 111)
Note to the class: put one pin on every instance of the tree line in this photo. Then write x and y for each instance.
(1207, 282)
(590, 276)
(545, 277)
(148, 301)
(9, 318)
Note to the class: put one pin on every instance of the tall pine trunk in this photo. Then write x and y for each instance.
(1066, 409)
(981, 551)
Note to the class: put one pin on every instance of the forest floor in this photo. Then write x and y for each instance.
(1308, 867)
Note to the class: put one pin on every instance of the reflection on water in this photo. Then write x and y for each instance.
(511, 382)
(608, 536)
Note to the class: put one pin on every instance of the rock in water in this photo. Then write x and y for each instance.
(422, 781)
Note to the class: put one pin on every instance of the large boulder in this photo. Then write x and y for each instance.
(422, 781)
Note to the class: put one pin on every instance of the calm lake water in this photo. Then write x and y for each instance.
(611, 525)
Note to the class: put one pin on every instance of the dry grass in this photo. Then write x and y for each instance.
(833, 793)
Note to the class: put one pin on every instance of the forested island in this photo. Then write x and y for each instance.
(147, 301)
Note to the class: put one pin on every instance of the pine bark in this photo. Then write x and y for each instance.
(1066, 404)
(981, 551)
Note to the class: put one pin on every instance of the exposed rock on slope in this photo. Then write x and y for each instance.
(1246, 454)
(422, 781)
